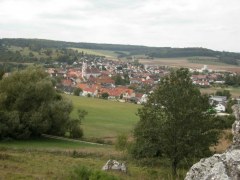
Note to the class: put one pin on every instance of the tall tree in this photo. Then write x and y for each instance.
(30, 106)
(175, 122)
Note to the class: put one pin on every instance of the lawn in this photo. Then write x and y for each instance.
(105, 119)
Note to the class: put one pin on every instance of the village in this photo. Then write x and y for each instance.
(126, 81)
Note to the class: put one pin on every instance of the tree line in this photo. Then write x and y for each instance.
(48, 55)
(126, 50)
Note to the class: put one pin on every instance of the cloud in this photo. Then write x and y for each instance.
(179, 23)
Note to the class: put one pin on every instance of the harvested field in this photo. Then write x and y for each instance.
(184, 62)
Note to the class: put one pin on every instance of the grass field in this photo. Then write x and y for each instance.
(108, 54)
(46, 143)
(105, 119)
(25, 164)
(235, 91)
(55, 159)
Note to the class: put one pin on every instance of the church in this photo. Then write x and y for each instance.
(89, 71)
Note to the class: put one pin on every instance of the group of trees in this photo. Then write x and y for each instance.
(126, 50)
(30, 106)
(175, 123)
(40, 53)
(119, 80)
(232, 80)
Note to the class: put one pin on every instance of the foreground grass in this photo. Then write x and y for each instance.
(56, 159)
(105, 119)
(44, 165)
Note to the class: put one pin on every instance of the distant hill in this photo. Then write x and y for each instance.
(121, 50)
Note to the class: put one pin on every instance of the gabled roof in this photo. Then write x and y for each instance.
(218, 98)
(104, 79)
(67, 82)
(92, 71)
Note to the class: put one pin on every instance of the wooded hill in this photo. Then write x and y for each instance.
(120, 50)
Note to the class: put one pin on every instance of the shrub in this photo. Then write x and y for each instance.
(121, 143)
(76, 131)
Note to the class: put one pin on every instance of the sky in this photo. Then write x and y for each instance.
(212, 24)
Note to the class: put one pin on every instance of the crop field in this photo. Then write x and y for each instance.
(191, 63)
(105, 119)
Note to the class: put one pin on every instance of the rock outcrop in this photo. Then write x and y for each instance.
(224, 166)
(114, 165)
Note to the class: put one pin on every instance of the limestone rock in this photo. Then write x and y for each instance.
(224, 166)
(114, 165)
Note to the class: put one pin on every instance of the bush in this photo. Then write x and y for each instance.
(121, 143)
(76, 132)
(77, 91)
(224, 122)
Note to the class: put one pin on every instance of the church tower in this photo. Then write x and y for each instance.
(84, 69)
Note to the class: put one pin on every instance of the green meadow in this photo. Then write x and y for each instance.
(45, 158)
(105, 119)
(106, 53)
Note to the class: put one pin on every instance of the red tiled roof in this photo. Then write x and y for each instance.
(92, 71)
(67, 82)
(104, 79)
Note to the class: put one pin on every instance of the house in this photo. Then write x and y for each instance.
(105, 80)
(92, 71)
(135, 81)
(219, 103)
(201, 83)
(220, 108)
(67, 82)
(144, 98)
(217, 99)
(92, 91)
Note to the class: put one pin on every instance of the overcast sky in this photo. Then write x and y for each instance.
(213, 24)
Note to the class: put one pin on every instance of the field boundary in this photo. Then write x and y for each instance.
(71, 140)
